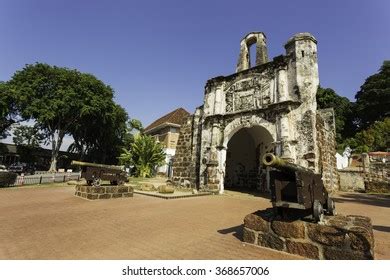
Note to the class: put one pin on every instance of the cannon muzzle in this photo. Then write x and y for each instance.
(271, 160)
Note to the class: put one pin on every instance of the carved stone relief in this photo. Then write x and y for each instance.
(248, 94)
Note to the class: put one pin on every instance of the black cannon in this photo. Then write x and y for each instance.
(94, 173)
(296, 190)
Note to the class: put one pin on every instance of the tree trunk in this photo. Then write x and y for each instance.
(56, 142)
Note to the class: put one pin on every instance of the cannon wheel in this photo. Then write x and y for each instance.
(330, 207)
(317, 210)
(96, 182)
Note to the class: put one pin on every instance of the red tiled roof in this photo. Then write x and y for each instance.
(177, 117)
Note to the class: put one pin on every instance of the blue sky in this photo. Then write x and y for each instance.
(157, 55)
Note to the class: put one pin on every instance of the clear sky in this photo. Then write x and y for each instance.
(157, 55)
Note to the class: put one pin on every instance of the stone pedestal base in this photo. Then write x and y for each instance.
(335, 238)
(103, 192)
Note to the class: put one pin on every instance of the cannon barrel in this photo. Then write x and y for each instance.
(270, 159)
(82, 163)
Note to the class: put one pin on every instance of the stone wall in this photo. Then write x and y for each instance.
(377, 177)
(337, 237)
(351, 180)
(103, 192)
(326, 132)
(183, 162)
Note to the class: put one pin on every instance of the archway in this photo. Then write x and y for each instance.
(245, 150)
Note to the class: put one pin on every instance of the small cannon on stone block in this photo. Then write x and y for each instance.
(94, 173)
(297, 191)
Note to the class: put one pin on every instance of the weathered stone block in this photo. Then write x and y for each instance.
(326, 235)
(307, 250)
(339, 222)
(361, 221)
(295, 229)
(361, 238)
(99, 190)
(123, 189)
(249, 236)
(258, 221)
(148, 187)
(128, 194)
(92, 196)
(270, 240)
(117, 195)
(331, 253)
(336, 237)
(166, 189)
(105, 196)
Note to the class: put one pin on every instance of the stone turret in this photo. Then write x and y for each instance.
(244, 61)
(302, 51)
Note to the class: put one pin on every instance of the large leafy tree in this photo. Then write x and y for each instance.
(26, 135)
(373, 98)
(374, 138)
(59, 99)
(110, 138)
(27, 138)
(145, 153)
(343, 109)
(8, 111)
(101, 128)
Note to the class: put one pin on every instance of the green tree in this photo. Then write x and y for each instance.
(343, 109)
(8, 110)
(26, 135)
(145, 154)
(133, 127)
(134, 124)
(374, 138)
(373, 98)
(111, 136)
(58, 99)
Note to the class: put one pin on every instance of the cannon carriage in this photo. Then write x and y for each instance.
(296, 190)
(95, 173)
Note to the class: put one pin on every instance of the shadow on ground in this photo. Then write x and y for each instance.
(249, 192)
(236, 231)
(368, 199)
(381, 228)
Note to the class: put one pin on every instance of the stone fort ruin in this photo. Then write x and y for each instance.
(267, 107)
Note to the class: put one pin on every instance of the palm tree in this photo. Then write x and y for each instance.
(145, 153)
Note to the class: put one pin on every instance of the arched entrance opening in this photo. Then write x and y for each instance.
(245, 149)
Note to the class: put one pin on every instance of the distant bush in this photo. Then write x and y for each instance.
(7, 179)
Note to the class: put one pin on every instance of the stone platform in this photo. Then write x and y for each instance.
(103, 192)
(335, 238)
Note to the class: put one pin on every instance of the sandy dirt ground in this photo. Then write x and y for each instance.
(51, 223)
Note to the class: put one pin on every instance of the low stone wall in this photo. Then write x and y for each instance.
(351, 180)
(103, 192)
(378, 186)
(337, 237)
